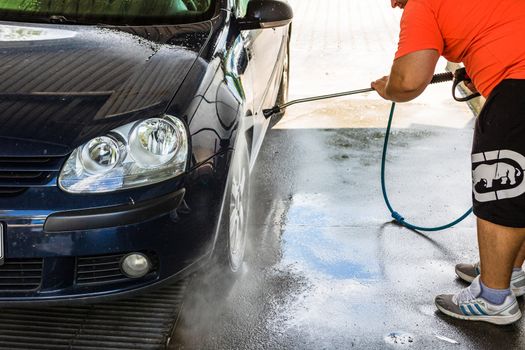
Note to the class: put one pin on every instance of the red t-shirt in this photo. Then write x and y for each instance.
(488, 36)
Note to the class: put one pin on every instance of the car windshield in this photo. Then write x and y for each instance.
(118, 12)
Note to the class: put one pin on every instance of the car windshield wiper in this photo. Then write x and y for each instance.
(58, 19)
(41, 18)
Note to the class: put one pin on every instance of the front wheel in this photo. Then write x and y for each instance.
(230, 246)
(237, 206)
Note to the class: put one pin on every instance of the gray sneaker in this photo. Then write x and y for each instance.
(468, 305)
(468, 272)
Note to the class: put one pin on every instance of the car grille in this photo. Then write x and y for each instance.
(105, 269)
(17, 174)
(18, 275)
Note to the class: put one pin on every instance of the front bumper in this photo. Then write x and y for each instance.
(75, 255)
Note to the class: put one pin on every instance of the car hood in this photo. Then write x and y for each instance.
(62, 85)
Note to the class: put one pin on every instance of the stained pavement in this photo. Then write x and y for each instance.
(326, 268)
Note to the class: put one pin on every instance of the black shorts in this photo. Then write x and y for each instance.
(498, 156)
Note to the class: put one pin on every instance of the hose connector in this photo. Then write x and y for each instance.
(398, 217)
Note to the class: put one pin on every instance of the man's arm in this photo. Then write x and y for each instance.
(409, 76)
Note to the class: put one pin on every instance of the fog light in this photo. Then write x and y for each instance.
(135, 265)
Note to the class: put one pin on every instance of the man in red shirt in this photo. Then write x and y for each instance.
(487, 36)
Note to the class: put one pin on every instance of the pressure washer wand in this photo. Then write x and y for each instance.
(277, 109)
(436, 78)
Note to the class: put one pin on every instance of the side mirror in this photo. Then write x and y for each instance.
(263, 14)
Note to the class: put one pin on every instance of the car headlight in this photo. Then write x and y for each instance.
(133, 155)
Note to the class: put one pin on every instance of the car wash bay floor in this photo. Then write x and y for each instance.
(326, 268)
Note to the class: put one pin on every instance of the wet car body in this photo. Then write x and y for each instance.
(66, 84)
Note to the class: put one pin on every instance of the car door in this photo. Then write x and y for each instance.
(266, 51)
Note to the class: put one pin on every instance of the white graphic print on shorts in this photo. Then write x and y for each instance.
(497, 175)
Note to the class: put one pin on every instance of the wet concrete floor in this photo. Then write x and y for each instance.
(325, 267)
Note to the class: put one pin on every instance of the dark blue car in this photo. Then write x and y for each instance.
(128, 133)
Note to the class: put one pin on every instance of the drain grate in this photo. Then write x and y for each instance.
(144, 322)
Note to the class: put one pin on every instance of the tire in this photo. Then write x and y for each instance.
(282, 95)
(232, 236)
(226, 262)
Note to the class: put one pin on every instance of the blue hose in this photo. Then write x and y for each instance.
(398, 217)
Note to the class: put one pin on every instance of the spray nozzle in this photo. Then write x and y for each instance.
(271, 111)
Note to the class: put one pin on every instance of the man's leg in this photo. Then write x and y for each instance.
(489, 297)
(520, 259)
(469, 271)
(499, 247)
